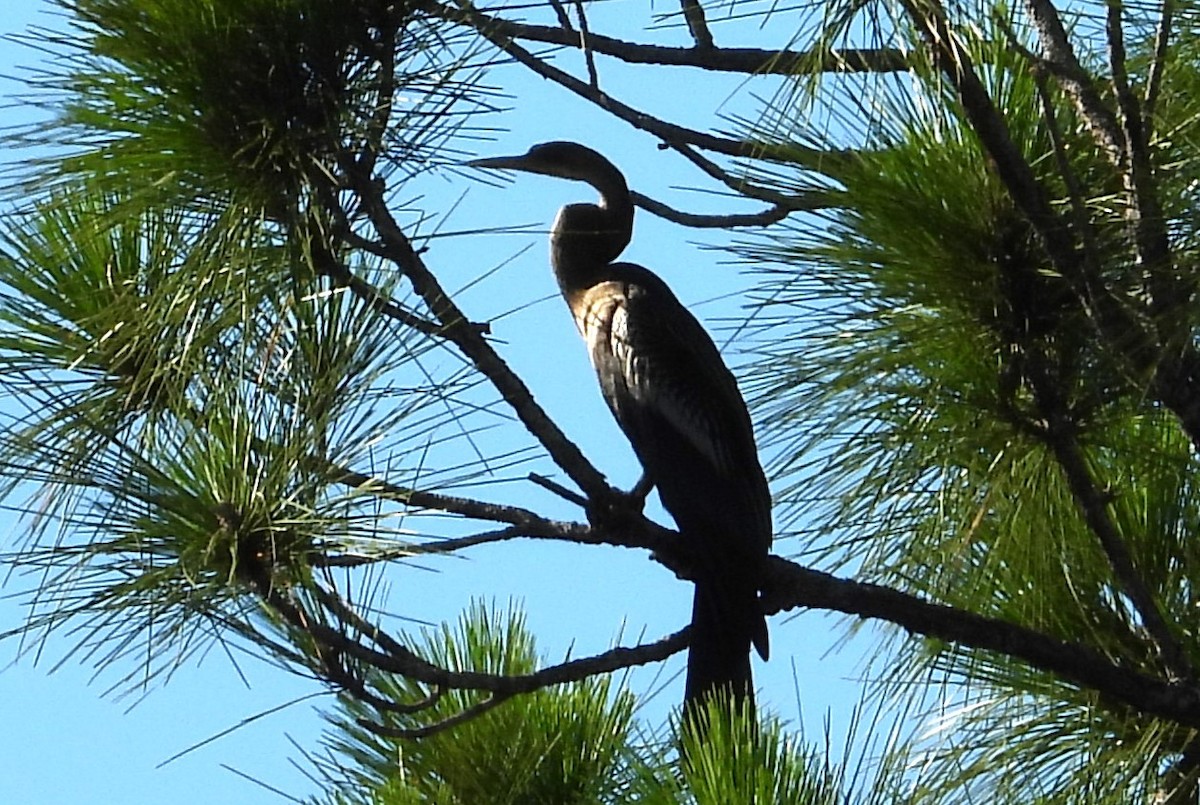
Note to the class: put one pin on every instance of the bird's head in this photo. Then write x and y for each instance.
(566, 160)
(582, 233)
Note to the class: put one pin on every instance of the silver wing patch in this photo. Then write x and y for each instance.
(684, 418)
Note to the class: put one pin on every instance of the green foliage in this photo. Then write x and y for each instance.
(184, 374)
(130, 339)
(191, 379)
(558, 745)
(567, 745)
(258, 101)
(915, 338)
(733, 759)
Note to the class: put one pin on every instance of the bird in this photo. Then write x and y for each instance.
(680, 407)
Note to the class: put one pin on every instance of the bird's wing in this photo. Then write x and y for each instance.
(671, 391)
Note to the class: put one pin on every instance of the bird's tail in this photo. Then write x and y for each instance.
(726, 621)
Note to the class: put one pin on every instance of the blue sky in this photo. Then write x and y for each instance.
(65, 741)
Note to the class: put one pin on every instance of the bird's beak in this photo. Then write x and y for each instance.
(500, 163)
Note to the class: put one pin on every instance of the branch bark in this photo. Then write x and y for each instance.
(791, 586)
(469, 340)
(749, 61)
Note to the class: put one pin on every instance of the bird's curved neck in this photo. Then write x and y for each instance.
(586, 238)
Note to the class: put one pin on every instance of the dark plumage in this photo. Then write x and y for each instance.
(678, 403)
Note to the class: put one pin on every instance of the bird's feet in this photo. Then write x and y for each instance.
(617, 510)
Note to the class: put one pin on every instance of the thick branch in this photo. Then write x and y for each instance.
(791, 586)
(1075, 81)
(457, 329)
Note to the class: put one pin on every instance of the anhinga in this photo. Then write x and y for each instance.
(678, 403)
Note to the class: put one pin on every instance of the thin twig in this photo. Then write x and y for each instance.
(558, 489)
(377, 127)
(588, 56)
(461, 717)
(1162, 41)
(644, 533)
(816, 200)
(336, 673)
(441, 546)
(327, 264)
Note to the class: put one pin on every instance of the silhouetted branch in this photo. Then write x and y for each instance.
(750, 61)
(393, 657)
(668, 132)
(475, 710)
(1094, 505)
(327, 264)
(564, 19)
(588, 56)
(693, 15)
(558, 489)
(812, 201)
(457, 329)
(790, 586)
(441, 546)
(335, 672)
(640, 533)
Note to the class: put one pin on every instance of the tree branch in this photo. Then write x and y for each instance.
(817, 200)
(639, 532)
(750, 61)
(1147, 224)
(1075, 81)
(1093, 504)
(668, 132)
(395, 658)
(325, 263)
(588, 57)
(461, 717)
(458, 330)
(790, 586)
(1162, 40)
(693, 15)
